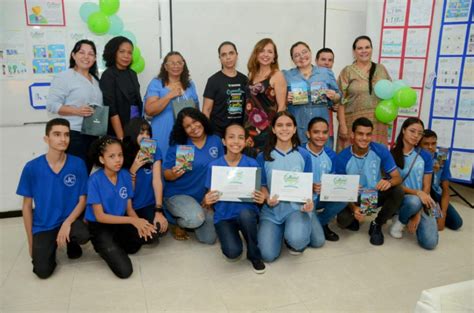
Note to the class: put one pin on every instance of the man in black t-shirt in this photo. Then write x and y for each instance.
(224, 95)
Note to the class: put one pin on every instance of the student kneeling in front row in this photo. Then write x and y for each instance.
(57, 183)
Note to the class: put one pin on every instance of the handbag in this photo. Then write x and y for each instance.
(181, 103)
(97, 123)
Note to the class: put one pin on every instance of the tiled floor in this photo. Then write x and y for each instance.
(346, 276)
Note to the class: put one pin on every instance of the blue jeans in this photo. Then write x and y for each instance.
(453, 219)
(427, 231)
(228, 233)
(331, 209)
(317, 238)
(296, 230)
(189, 214)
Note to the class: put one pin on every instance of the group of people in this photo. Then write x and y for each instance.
(271, 120)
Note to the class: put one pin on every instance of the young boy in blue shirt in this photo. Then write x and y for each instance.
(57, 183)
(440, 183)
(378, 171)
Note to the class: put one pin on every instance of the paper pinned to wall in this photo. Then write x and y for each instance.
(461, 165)
(470, 41)
(468, 73)
(449, 70)
(457, 10)
(418, 9)
(13, 55)
(392, 42)
(463, 138)
(444, 130)
(417, 42)
(466, 104)
(395, 12)
(413, 71)
(453, 39)
(445, 102)
(392, 66)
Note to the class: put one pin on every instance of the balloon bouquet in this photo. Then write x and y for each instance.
(394, 95)
(101, 19)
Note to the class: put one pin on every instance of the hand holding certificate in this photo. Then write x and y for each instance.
(292, 186)
(339, 188)
(236, 184)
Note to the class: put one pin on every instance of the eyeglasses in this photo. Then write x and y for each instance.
(177, 64)
(299, 55)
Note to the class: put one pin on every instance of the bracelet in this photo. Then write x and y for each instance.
(133, 174)
(159, 208)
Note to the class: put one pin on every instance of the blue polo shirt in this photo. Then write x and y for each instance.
(441, 175)
(323, 163)
(295, 160)
(144, 195)
(113, 198)
(369, 166)
(192, 183)
(423, 165)
(226, 210)
(55, 195)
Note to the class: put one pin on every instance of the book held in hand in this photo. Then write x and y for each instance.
(368, 201)
(147, 149)
(299, 92)
(185, 157)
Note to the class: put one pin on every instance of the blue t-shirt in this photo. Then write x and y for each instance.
(423, 165)
(113, 198)
(162, 123)
(144, 195)
(295, 160)
(368, 167)
(323, 163)
(226, 210)
(55, 195)
(192, 183)
(441, 175)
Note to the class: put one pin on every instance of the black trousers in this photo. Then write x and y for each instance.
(79, 146)
(390, 200)
(45, 246)
(113, 243)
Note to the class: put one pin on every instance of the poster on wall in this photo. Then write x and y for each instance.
(392, 66)
(45, 13)
(13, 55)
(418, 9)
(461, 165)
(395, 11)
(444, 102)
(413, 72)
(453, 39)
(49, 51)
(463, 135)
(444, 129)
(417, 42)
(449, 70)
(466, 104)
(457, 11)
(468, 73)
(392, 42)
(39, 95)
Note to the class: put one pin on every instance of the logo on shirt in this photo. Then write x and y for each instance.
(213, 152)
(147, 171)
(123, 193)
(70, 180)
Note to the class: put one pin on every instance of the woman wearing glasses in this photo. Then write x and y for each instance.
(172, 85)
(312, 90)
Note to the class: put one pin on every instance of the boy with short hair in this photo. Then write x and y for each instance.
(325, 58)
(440, 183)
(57, 183)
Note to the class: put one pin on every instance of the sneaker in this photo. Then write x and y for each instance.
(329, 234)
(293, 251)
(74, 250)
(376, 235)
(234, 259)
(354, 226)
(258, 266)
(396, 230)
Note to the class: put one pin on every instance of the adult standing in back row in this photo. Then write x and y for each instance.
(224, 96)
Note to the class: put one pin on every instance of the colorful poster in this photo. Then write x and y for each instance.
(49, 51)
(444, 102)
(13, 55)
(461, 165)
(466, 103)
(449, 70)
(444, 129)
(418, 9)
(392, 66)
(395, 12)
(468, 73)
(45, 12)
(463, 136)
(413, 71)
(453, 39)
(417, 42)
(392, 42)
(457, 10)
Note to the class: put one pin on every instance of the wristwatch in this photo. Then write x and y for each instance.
(159, 208)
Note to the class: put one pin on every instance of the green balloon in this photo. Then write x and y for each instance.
(138, 66)
(109, 7)
(405, 97)
(137, 54)
(98, 23)
(386, 111)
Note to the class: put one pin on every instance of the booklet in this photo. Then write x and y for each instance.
(292, 186)
(318, 93)
(235, 184)
(339, 188)
(299, 92)
(442, 156)
(148, 149)
(185, 157)
(368, 201)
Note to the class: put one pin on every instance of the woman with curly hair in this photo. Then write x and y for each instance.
(265, 94)
(119, 85)
(172, 84)
(185, 181)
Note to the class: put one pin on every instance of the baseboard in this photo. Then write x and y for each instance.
(10, 214)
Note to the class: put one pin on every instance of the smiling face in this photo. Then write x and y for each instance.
(267, 55)
(363, 51)
(58, 138)
(362, 136)
(301, 56)
(234, 139)
(174, 65)
(412, 134)
(228, 56)
(193, 128)
(85, 57)
(318, 134)
(123, 56)
(326, 59)
(284, 129)
(144, 133)
(112, 157)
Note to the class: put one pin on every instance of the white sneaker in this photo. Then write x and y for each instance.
(396, 230)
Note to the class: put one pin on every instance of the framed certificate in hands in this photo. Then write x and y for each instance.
(235, 184)
(339, 188)
(292, 186)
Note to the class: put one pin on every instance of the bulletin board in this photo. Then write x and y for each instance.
(452, 104)
(404, 46)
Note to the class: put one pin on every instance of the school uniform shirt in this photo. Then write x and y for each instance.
(423, 165)
(113, 198)
(368, 166)
(192, 183)
(441, 175)
(322, 163)
(295, 160)
(144, 195)
(55, 195)
(226, 210)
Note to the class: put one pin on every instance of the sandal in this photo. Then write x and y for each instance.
(179, 233)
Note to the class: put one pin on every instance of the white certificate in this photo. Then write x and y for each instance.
(292, 186)
(339, 188)
(235, 184)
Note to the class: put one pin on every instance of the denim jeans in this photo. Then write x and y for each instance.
(296, 230)
(331, 209)
(228, 233)
(427, 230)
(453, 219)
(189, 214)
(317, 238)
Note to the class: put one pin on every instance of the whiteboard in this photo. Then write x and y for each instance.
(200, 26)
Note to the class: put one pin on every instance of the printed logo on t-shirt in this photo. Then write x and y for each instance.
(324, 167)
(69, 180)
(148, 171)
(234, 101)
(213, 152)
(373, 168)
(123, 193)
